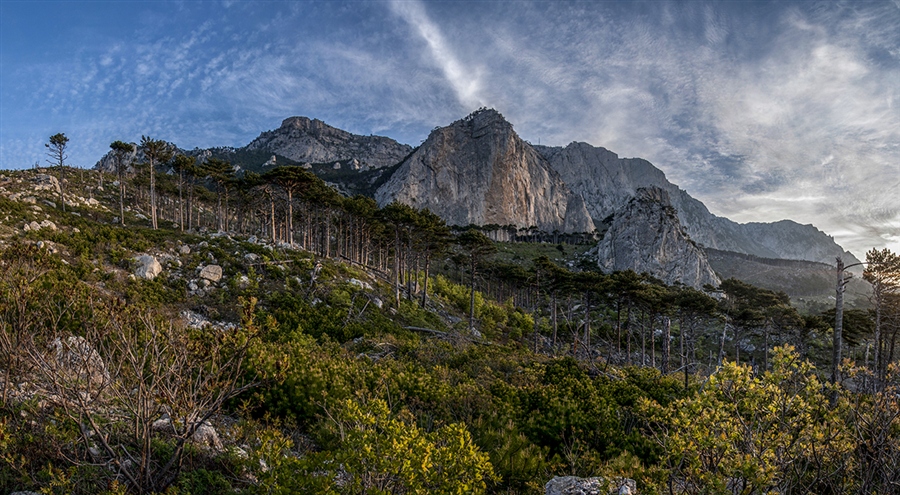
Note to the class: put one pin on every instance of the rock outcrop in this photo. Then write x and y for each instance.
(148, 267)
(573, 485)
(478, 171)
(646, 236)
(313, 141)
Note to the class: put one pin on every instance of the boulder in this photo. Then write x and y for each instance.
(573, 485)
(45, 182)
(204, 436)
(76, 358)
(359, 283)
(213, 273)
(148, 267)
(184, 249)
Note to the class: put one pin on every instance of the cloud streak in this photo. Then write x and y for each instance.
(465, 82)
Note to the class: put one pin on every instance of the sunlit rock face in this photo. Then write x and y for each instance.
(479, 171)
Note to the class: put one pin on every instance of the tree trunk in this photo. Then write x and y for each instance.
(666, 349)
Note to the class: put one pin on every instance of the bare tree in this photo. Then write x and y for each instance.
(135, 378)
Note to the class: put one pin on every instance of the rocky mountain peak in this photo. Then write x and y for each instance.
(479, 171)
(312, 141)
(646, 236)
(305, 125)
(484, 120)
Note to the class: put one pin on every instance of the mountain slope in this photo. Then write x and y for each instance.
(607, 182)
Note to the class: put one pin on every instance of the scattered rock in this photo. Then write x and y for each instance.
(252, 239)
(34, 226)
(184, 249)
(44, 182)
(251, 257)
(573, 485)
(192, 319)
(206, 436)
(148, 267)
(212, 273)
(360, 284)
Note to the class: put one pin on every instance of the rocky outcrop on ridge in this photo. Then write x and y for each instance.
(646, 236)
(313, 141)
(607, 182)
(478, 171)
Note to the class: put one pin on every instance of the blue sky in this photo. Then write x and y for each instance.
(763, 110)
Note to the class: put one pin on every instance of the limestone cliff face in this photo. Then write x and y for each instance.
(478, 171)
(608, 182)
(646, 236)
(313, 141)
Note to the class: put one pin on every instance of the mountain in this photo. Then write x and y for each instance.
(479, 171)
(312, 141)
(646, 236)
(607, 182)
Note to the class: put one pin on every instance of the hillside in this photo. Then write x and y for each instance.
(311, 357)
(798, 279)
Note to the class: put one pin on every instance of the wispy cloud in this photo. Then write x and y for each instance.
(465, 81)
(788, 110)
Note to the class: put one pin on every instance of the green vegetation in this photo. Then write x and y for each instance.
(386, 353)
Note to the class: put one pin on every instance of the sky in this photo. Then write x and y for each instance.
(762, 110)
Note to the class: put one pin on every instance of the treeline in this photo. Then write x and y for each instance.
(625, 318)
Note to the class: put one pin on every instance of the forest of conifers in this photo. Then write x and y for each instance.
(357, 349)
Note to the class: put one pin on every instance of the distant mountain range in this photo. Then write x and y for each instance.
(477, 170)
